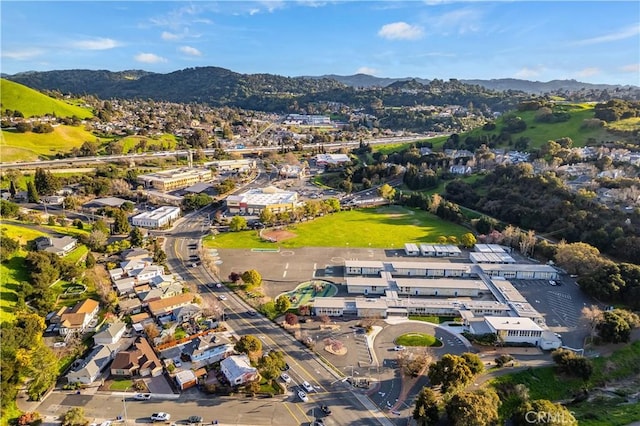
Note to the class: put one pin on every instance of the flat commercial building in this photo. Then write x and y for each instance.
(520, 271)
(332, 159)
(168, 180)
(242, 164)
(255, 200)
(158, 218)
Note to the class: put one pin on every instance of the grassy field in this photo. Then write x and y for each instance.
(385, 227)
(31, 103)
(13, 272)
(165, 142)
(418, 339)
(540, 133)
(626, 125)
(33, 146)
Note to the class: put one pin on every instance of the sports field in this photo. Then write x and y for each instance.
(384, 227)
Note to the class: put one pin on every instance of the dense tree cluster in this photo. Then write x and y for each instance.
(453, 372)
(616, 325)
(570, 363)
(616, 109)
(514, 194)
(614, 283)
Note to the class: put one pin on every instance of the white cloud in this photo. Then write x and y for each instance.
(401, 31)
(191, 51)
(166, 35)
(96, 44)
(630, 68)
(149, 58)
(366, 70)
(22, 54)
(615, 36)
(459, 21)
(528, 73)
(588, 72)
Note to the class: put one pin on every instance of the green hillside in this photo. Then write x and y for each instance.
(31, 103)
(30, 146)
(539, 132)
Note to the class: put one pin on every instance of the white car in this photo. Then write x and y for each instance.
(307, 386)
(160, 417)
(218, 285)
(399, 348)
(222, 297)
(142, 396)
(552, 282)
(303, 396)
(285, 377)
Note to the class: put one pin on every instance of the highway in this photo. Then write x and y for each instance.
(329, 388)
(66, 162)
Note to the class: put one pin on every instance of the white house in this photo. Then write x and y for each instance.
(110, 334)
(238, 370)
(89, 369)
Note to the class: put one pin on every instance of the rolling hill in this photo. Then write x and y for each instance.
(16, 97)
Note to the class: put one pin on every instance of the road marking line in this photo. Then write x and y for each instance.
(284, 274)
(303, 413)
(286, 266)
(291, 412)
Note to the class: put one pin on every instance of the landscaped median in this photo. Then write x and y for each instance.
(418, 339)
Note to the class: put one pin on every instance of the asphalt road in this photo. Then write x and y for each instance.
(329, 390)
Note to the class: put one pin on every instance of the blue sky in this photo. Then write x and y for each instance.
(596, 42)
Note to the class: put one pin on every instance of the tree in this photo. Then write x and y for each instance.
(251, 278)
(8, 246)
(120, 222)
(234, 277)
(237, 223)
(151, 330)
(136, 237)
(74, 417)
(8, 209)
(283, 303)
(12, 189)
(468, 240)
(250, 345)
(616, 326)
(593, 315)
(474, 362)
(578, 258)
(267, 217)
(543, 412)
(159, 256)
(451, 371)
(32, 192)
(572, 364)
(291, 319)
(426, 410)
(90, 261)
(97, 240)
(479, 408)
(387, 192)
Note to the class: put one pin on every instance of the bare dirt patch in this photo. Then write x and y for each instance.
(279, 235)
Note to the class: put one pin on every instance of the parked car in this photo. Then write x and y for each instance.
(142, 396)
(222, 297)
(285, 377)
(399, 348)
(286, 367)
(218, 285)
(252, 313)
(194, 419)
(303, 396)
(160, 417)
(325, 409)
(307, 386)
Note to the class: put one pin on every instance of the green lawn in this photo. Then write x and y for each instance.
(33, 146)
(121, 385)
(418, 339)
(384, 227)
(431, 319)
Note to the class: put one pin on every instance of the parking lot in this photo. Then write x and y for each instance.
(561, 306)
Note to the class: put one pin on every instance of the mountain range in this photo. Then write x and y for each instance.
(222, 87)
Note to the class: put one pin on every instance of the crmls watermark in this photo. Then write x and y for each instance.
(539, 417)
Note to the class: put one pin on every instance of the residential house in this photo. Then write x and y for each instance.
(186, 379)
(124, 286)
(148, 294)
(60, 246)
(187, 313)
(145, 275)
(238, 370)
(110, 334)
(136, 254)
(166, 306)
(89, 369)
(204, 350)
(140, 359)
(77, 318)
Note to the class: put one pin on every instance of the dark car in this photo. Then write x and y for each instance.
(286, 367)
(194, 419)
(325, 409)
